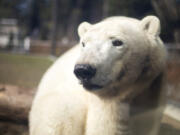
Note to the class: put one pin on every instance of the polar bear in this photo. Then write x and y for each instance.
(111, 83)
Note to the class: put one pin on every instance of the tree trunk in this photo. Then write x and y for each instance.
(105, 8)
(55, 26)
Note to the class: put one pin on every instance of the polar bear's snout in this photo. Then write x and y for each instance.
(84, 72)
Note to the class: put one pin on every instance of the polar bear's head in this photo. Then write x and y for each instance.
(119, 50)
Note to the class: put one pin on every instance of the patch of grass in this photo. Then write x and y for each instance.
(22, 70)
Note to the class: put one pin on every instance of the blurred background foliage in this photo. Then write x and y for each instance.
(36, 18)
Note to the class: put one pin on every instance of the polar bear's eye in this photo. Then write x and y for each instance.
(83, 44)
(117, 43)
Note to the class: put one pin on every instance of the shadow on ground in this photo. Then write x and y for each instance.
(167, 129)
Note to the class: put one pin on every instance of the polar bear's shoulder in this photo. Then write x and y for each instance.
(60, 71)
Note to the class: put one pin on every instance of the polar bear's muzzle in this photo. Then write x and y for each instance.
(85, 72)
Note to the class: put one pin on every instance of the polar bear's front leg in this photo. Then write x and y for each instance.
(53, 114)
(107, 118)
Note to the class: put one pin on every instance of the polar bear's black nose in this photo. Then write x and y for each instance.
(84, 72)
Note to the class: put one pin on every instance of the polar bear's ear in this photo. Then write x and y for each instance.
(151, 25)
(83, 28)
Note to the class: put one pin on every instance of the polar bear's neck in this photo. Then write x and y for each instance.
(107, 117)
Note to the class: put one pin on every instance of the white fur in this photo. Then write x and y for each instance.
(63, 107)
